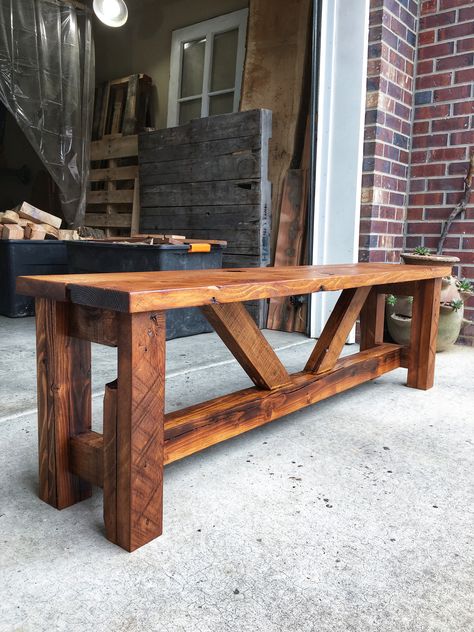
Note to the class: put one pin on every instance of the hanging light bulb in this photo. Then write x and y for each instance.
(111, 12)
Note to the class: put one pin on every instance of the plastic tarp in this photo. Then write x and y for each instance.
(47, 83)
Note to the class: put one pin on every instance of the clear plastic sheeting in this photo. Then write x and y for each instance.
(47, 83)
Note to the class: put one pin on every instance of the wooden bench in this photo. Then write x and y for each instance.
(127, 311)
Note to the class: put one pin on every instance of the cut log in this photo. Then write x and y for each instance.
(51, 232)
(34, 232)
(12, 231)
(10, 217)
(33, 214)
(68, 235)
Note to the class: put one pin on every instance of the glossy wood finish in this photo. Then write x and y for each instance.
(372, 318)
(63, 410)
(335, 333)
(246, 342)
(139, 439)
(148, 291)
(198, 427)
(424, 329)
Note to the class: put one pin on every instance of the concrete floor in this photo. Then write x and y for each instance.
(353, 515)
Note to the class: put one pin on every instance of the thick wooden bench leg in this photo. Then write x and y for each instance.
(372, 320)
(134, 516)
(64, 402)
(424, 330)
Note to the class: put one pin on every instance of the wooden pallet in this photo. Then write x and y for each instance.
(208, 179)
(113, 203)
(122, 109)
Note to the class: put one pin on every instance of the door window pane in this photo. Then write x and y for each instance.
(224, 60)
(189, 110)
(221, 103)
(192, 68)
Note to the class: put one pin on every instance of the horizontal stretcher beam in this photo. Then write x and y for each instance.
(200, 426)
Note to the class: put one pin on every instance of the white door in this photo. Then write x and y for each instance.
(339, 145)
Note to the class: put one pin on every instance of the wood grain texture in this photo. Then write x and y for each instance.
(195, 428)
(203, 425)
(113, 148)
(372, 317)
(109, 456)
(96, 325)
(424, 330)
(282, 311)
(247, 344)
(86, 457)
(140, 429)
(148, 291)
(64, 402)
(334, 335)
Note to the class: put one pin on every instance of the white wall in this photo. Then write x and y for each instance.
(341, 111)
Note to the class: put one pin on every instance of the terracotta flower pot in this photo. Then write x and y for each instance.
(450, 320)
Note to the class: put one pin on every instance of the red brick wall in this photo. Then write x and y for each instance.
(443, 132)
(392, 41)
(419, 130)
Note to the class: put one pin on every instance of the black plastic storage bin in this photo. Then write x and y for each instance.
(90, 256)
(19, 257)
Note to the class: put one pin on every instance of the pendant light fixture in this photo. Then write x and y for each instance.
(111, 12)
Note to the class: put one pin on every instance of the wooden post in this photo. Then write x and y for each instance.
(64, 402)
(139, 436)
(424, 330)
(372, 320)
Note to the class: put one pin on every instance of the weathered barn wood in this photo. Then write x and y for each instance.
(208, 180)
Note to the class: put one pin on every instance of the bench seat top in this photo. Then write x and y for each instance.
(153, 291)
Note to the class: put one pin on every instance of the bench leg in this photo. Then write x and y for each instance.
(133, 486)
(372, 318)
(424, 330)
(64, 402)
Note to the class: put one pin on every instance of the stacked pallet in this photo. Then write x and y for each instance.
(28, 222)
(122, 109)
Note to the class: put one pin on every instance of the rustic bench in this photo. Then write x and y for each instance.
(127, 311)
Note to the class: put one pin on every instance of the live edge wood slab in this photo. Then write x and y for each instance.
(127, 311)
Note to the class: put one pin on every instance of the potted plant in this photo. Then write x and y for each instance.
(454, 293)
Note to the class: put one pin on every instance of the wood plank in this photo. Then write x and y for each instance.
(147, 291)
(109, 455)
(214, 193)
(243, 165)
(424, 330)
(372, 320)
(86, 457)
(140, 428)
(97, 325)
(235, 125)
(36, 215)
(195, 428)
(122, 196)
(334, 335)
(113, 174)
(277, 41)
(135, 223)
(247, 344)
(112, 148)
(130, 122)
(152, 152)
(201, 217)
(102, 220)
(289, 246)
(203, 425)
(64, 402)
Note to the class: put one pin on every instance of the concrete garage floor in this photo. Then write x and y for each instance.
(353, 515)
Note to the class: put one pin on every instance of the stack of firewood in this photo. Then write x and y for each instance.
(28, 222)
